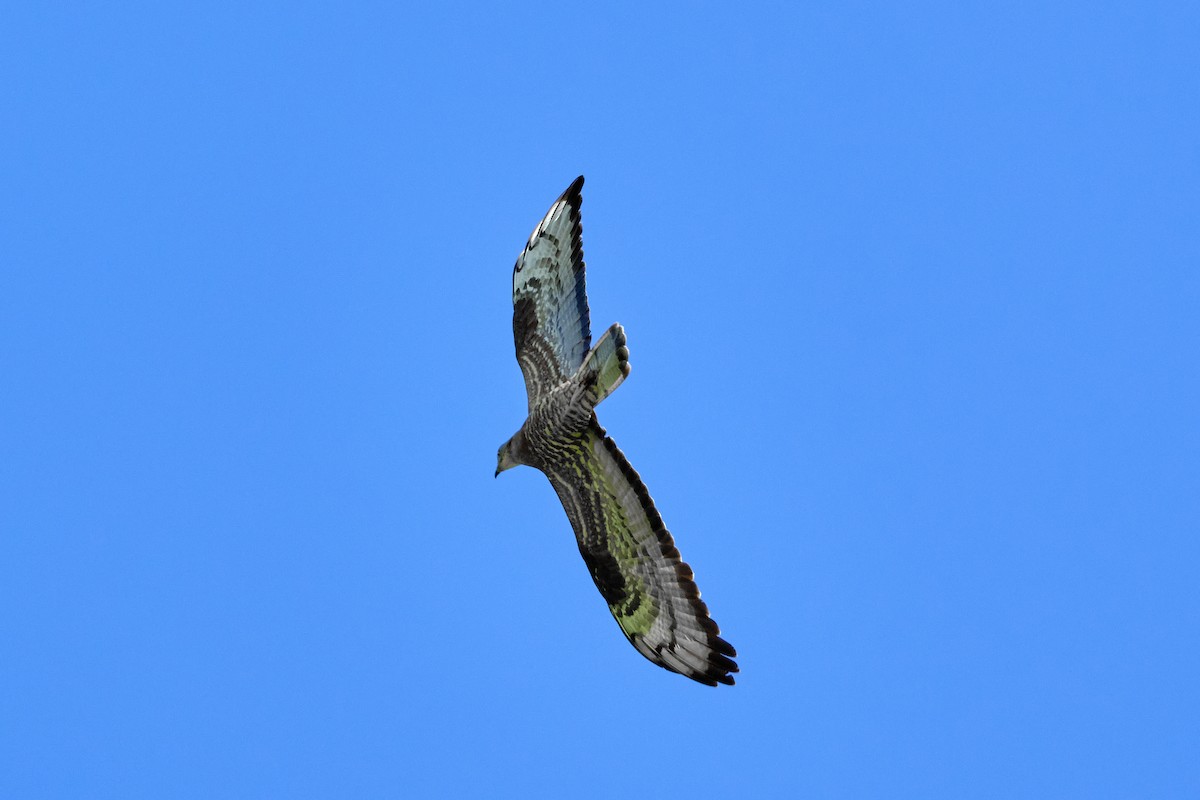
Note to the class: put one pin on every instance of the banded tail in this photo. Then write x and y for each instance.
(606, 364)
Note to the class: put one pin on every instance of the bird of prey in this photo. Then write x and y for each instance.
(630, 554)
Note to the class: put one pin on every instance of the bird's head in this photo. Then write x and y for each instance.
(509, 455)
(504, 459)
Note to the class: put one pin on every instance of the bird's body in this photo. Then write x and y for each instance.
(631, 556)
(556, 423)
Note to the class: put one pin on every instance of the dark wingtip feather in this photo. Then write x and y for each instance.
(573, 196)
(722, 646)
(722, 663)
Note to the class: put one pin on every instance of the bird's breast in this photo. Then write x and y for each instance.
(557, 423)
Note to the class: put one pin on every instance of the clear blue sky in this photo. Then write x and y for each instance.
(913, 298)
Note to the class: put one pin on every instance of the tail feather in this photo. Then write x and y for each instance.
(607, 364)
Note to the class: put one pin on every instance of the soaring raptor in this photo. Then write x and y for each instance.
(630, 554)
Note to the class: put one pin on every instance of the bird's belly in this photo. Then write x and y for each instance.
(555, 428)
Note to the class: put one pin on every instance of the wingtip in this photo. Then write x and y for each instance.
(575, 190)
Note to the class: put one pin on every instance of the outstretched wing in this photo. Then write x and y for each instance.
(550, 310)
(634, 562)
